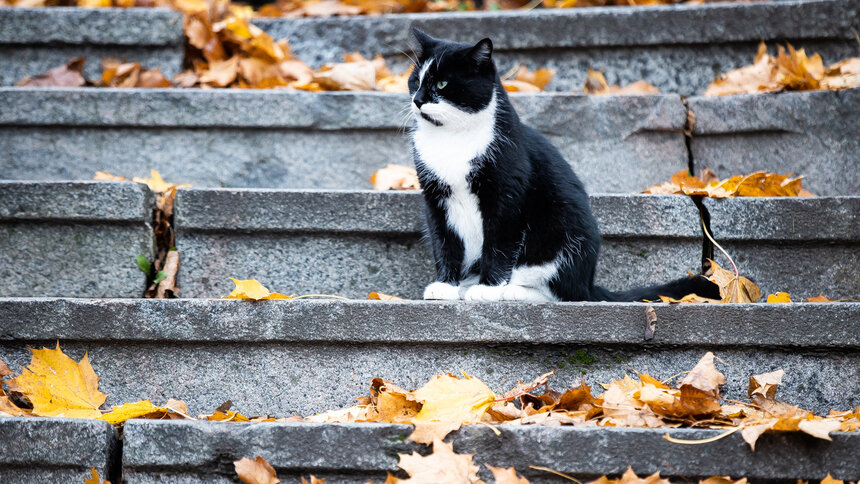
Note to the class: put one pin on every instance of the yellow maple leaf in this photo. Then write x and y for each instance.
(127, 411)
(443, 466)
(447, 403)
(157, 184)
(94, 478)
(58, 386)
(252, 289)
(255, 471)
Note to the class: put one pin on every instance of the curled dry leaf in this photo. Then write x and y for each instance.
(131, 74)
(395, 177)
(595, 83)
(765, 384)
(252, 289)
(347, 76)
(791, 70)
(733, 288)
(443, 466)
(255, 471)
(704, 376)
(56, 385)
(67, 75)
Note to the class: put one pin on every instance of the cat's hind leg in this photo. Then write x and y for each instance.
(530, 284)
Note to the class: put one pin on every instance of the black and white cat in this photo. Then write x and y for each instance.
(507, 217)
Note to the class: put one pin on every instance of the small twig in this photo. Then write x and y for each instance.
(552, 471)
(511, 72)
(667, 380)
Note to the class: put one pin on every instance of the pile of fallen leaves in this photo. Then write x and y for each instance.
(55, 385)
(595, 83)
(790, 70)
(521, 79)
(163, 271)
(708, 184)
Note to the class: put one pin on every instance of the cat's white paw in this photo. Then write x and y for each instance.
(526, 294)
(442, 291)
(481, 292)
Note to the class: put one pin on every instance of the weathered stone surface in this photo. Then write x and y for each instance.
(351, 243)
(357, 452)
(33, 40)
(808, 133)
(679, 49)
(280, 139)
(39, 450)
(281, 357)
(73, 238)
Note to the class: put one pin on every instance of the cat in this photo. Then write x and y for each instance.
(507, 218)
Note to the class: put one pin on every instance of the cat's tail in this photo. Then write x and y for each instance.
(676, 289)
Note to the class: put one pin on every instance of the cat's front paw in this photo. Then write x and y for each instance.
(481, 292)
(442, 291)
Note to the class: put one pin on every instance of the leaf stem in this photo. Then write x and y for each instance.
(552, 471)
(327, 296)
(703, 441)
(708, 235)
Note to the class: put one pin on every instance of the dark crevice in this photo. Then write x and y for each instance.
(689, 126)
(698, 200)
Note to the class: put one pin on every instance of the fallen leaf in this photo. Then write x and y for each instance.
(733, 289)
(347, 76)
(221, 73)
(312, 480)
(252, 289)
(4, 371)
(705, 376)
(525, 80)
(819, 428)
(256, 471)
(506, 475)
(105, 176)
(58, 386)
(830, 480)
(650, 322)
(780, 297)
(383, 297)
(448, 399)
(765, 384)
(157, 184)
(67, 75)
(143, 408)
(395, 177)
(595, 83)
(167, 287)
(442, 466)
(723, 480)
(94, 478)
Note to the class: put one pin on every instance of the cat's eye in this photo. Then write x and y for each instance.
(441, 84)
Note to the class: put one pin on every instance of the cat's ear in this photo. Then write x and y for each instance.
(422, 40)
(482, 51)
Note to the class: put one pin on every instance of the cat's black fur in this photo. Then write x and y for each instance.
(533, 205)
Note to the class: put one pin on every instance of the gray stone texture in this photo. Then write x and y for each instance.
(40, 450)
(809, 133)
(201, 452)
(74, 238)
(352, 243)
(282, 357)
(279, 139)
(33, 40)
(679, 49)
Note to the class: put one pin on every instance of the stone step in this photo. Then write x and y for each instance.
(284, 357)
(352, 243)
(33, 40)
(202, 452)
(275, 139)
(74, 238)
(679, 49)
(40, 450)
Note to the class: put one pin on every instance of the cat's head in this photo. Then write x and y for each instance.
(451, 80)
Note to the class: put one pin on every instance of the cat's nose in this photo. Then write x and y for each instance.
(418, 102)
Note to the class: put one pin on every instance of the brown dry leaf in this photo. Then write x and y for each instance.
(525, 80)
(57, 386)
(105, 176)
(357, 413)
(506, 475)
(256, 471)
(759, 184)
(630, 477)
(347, 76)
(819, 428)
(595, 83)
(252, 289)
(758, 77)
(733, 289)
(67, 75)
(443, 466)
(296, 71)
(312, 480)
(167, 287)
(395, 177)
(524, 388)
(395, 407)
(704, 376)
(221, 73)
(156, 183)
(830, 480)
(780, 297)
(519, 86)
(383, 297)
(4, 371)
(765, 384)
